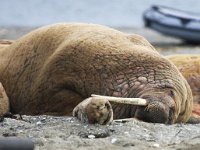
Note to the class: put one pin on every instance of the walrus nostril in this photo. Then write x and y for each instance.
(155, 112)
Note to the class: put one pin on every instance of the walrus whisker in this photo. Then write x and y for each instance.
(131, 101)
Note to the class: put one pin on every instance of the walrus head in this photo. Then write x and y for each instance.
(161, 108)
(168, 100)
(168, 103)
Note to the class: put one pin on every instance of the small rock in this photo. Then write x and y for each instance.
(43, 119)
(20, 131)
(91, 136)
(126, 132)
(38, 123)
(156, 145)
(9, 134)
(85, 126)
(113, 140)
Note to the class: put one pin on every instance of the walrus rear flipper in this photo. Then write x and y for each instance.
(194, 119)
(4, 101)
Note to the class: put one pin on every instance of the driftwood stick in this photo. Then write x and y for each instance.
(131, 101)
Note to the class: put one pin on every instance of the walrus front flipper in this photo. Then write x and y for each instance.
(94, 110)
(194, 119)
(4, 102)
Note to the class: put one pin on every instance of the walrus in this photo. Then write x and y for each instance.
(54, 68)
(189, 66)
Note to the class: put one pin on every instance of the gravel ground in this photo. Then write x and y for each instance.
(49, 132)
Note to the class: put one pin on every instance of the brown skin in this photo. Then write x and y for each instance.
(52, 69)
(4, 101)
(189, 66)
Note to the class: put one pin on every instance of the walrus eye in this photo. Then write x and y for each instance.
(171, 93)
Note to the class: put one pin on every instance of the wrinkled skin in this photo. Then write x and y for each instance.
(52, 69)
(189, 66)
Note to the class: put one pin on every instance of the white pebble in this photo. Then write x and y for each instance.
(113, 140)
(91, 136)
(85, 126)
(20, 131)
(39, 123)
(156, 145)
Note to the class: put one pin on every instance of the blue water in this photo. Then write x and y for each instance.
(116, 13)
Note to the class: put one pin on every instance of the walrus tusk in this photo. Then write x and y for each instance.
(132, 101)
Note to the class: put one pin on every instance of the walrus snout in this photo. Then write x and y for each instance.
(155, 112)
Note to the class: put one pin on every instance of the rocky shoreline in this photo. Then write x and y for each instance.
(48, 132)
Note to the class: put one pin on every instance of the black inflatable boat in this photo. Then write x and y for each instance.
(173, 22)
